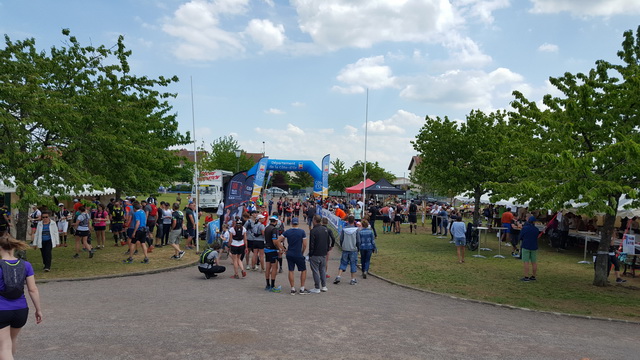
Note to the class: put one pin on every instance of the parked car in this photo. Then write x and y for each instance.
(299, 192)
(276, 192)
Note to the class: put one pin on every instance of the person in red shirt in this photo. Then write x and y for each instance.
(507, 221)
(340, 213)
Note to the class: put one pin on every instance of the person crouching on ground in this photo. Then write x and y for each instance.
(367, 247)
(459, 231)
(209, 261)
(529, 248)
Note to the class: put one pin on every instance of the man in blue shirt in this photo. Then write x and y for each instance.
(138, 227)
(529, 248)
(296, 246)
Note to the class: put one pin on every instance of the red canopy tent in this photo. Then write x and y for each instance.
(356, 189)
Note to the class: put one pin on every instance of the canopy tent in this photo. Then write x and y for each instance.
(11, 188)
(384, 187)
(356, 189)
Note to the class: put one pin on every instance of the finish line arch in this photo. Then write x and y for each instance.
(320, 176)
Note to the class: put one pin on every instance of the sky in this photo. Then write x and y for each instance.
(291, 77)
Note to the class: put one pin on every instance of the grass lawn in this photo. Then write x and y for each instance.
(563, 285)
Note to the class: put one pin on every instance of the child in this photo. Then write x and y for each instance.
(209, 262)
(225, 238)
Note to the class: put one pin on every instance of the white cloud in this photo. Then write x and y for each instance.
(298, 104)
(546, 47)
(294, 130)
(397, 124)
(274, 111)
(265, 33)
(464, 89)
(197, 25)
(481, 9)
(463, 51)
(587, 7)
(365, 73)
(335, 24)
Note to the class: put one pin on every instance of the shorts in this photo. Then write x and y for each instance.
(174, 237)
(99, 228)
(271, 256)
(506, 228)
(151, 224)
(386, 219)
(461, 241)
(256, 244)
(81, 233)
(237, 250)
(397, 218)
(129, 233)
(296, 261)
(116, 228)
(63, 226)
(250, 244)
(191, 233)
(349, 258)
(529, 255)
(14, 318)
(413, 218)
(141, 236)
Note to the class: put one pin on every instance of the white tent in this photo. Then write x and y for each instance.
(86, 192)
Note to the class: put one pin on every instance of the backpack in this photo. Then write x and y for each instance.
(154, 210)
(14, 276)
(238, 236)
(204, 255)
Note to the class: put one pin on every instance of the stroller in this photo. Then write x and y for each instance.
(473, 237)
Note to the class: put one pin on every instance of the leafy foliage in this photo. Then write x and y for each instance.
(223, 157)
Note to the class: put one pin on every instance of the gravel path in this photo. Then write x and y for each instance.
(180, 315)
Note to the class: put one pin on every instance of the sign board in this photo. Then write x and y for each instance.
(629, 244)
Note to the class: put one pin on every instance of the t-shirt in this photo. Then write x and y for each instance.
(179, 218)
(458, 229)
(167, 216)
(235, 242)
(210, 260)
(46, 233)
(117, 215)
(257, 229)
(270, 234)
(294, 238)
(15, 304)
(507, 217)
(189, 215)
(100, 215)
(83, 222)
(148, 209)
(141, 217)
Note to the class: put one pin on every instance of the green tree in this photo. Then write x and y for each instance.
(60, 120)
(463, 157)
(303, 179)
(374, 172)
(222, 156)
(588, 142)
(338, 176)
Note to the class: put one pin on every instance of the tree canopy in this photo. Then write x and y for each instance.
(222, 156)
(76, 116)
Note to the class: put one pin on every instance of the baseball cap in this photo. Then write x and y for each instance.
(75, 200)
(260, 216)
(273, 218)
(61, 204)
(532, 219)
(295, 221)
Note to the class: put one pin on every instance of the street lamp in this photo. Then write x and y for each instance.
(238, 153)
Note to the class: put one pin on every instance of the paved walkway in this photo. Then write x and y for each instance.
(180, 315)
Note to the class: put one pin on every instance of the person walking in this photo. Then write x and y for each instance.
(319, 244)
(238, 247)
(350, 243)
(63, 216)
(459, 231)
(14, 309)
(100, 225)
(273, 247)
(296, 246)
(529, 249)
(46, 238)
(138, 234)
(82, 232)
(367, 247)
(177, 226)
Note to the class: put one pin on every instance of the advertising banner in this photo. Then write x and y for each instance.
(259, 178)
(325, 176)
(233, 198)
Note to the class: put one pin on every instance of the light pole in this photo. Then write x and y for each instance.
(238, 153)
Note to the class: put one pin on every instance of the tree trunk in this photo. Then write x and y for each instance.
(602, 257)
(118, 193)
(476, 206)
(21, 223)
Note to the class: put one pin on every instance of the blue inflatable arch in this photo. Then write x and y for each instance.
(320, 177)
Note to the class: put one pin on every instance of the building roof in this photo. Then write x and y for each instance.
(415, 161)
(255, 157)
(189, 154)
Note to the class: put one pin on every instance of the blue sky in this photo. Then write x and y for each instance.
(293, 74)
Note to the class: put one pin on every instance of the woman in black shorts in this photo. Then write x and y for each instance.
(238, 247)
(13, 305)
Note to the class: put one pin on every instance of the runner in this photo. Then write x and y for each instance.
(35, 216)
(116, 217)
(167, 218)
(63, 216)
(296, 246)
(238, 247)
(258, 243)
(82, 232)
(138, 233)
(190, 216)
(413, 218)
(273, 247)
(177, 225)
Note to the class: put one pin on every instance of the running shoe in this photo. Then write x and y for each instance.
(293, 291)
(47, 270)
(280, 271)
(248, 267)
(76, 256)
(526, 278)
(304, 292)
(353, 281)
(324, 289)
(533, 278)
(337, 280)
(145, 261)
(618, 280)
(244, 273)
(364, 275)
(181, 254)
(267, 288)
(207, 276)
(276, 289)
(91, 252)
(174, 257)
(314, 291)
(128, 261)
(328, 276)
